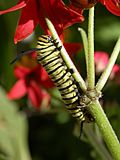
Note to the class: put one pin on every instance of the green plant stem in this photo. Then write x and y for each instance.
(105, 75)
(85, 44)
(23, 152)
(106, 129)
(95, 108)
(91, 67)
(66, 57)
(97, 145)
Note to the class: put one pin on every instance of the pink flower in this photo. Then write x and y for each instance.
(115, 75)
(101, 60)
(115, 72)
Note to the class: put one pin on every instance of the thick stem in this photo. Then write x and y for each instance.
(106, 129)
(91, 67)
(105, 75)
(66, 57)
(95, 108)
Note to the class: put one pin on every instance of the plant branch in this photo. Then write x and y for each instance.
(66, 57)
(106, 129)
(105, 75)
(94, 108)
(91, 68)
(85, 44)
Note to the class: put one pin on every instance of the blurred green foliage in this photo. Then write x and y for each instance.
(13, 131)
(51, 133)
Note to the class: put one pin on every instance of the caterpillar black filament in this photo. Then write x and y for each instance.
(48, 55)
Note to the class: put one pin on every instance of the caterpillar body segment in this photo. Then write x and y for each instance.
(49, 56)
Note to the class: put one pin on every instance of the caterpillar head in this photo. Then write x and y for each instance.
(44, 38)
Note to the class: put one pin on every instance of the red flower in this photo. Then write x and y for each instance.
(82, 4)
(32, 78)
(31, 82)
(73, 48)
(112, 5)
(35, 11)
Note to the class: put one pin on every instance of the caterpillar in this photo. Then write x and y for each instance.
(48, 55)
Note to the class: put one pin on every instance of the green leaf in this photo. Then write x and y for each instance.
(13, 131)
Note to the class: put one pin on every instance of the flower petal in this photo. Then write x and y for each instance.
(45, 80)
(73, 48)
(113, 6)
(35, 94)
(18, 90)
(35, 11)
(79, 5)
(115, 72)
(63, 18)
(102, 1)
(41, 76)
(21, 4)
(27, 22)
(101, 60)
(21, 71)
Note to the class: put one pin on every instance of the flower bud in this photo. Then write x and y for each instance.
(84, 4)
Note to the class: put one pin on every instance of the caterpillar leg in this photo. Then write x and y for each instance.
(81, 107)
(81, 128)
(71, 70)
(57, 44)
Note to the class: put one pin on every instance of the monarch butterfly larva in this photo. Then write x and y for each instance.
(48, 55)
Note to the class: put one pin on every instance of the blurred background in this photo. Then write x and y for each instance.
(50, 132)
